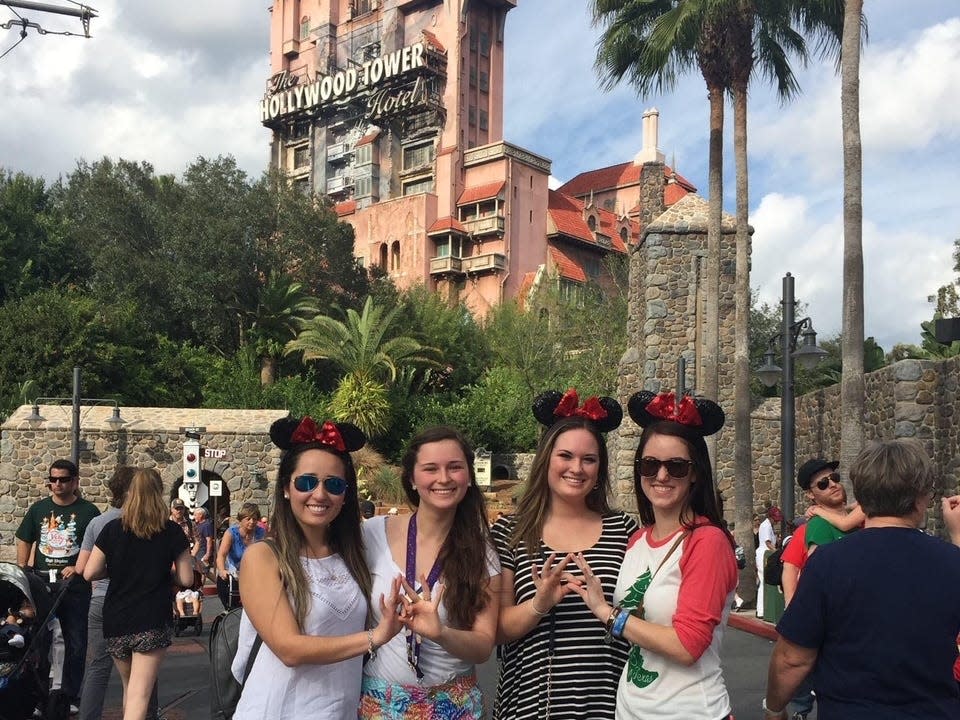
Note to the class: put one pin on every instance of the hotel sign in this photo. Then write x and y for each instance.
(286, 95)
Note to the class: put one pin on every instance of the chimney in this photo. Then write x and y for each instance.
(651, 129)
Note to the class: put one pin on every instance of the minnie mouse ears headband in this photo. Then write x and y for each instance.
(703, 417)
(343, 437)
(551, 406)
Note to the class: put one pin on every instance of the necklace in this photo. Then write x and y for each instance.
(414, 640)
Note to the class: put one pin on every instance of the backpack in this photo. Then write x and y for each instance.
(773, 568)
(224, 689)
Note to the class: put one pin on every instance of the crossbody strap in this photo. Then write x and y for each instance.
(676, 544)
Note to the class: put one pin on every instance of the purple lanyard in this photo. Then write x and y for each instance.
(413, 640)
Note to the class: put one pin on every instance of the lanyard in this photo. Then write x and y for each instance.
(413, 640)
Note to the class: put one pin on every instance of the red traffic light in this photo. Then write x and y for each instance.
(191, 457)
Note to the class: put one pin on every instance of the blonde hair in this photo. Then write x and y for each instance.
(144, 511)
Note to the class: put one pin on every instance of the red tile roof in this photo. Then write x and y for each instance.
(673, 192)
(347, 207)
(481, 192)
(368, 138)
(432, 40)
(615, 176)
(447, 223)
(566, 268)
(567, 218)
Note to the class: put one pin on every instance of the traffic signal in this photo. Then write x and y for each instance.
(192, 471)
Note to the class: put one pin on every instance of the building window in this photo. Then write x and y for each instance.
(472, 115)
(415, 156)
(305, 27)
(449, 246)
(474, 39)
(364, 154)
(364, 186)
(473, 76)
(484, 120)
(361, 7)
(395, 255)
(623, 235)
(592, 223)
(484, 81)
(301, 156)
(300, 130)
(484, 43)
(302, 186)
(591, 266)
(421, 185)
(361, 261)
(383, 256)
(571, 292)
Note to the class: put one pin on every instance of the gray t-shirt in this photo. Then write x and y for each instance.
(90, 538)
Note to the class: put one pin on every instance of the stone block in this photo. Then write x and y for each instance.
(905, 429)
(656, 309)
(908, 370)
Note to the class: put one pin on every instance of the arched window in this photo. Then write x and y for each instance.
(623, 235)
(592, 223)
(395, 255)
(383, 256)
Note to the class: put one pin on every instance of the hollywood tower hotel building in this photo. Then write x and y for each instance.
(394, 109)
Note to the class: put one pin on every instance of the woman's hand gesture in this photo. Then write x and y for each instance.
(421, 612)
(390, 622)
(591, 589)
(553, 582)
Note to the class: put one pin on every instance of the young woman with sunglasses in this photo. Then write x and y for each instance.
(679, 574)
(451, 587)
(306, 589)
(553, 661)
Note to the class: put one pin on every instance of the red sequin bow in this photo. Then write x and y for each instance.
(327, 434)
(567, 407)
(666, 407)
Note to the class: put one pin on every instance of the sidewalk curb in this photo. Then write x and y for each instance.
(752, 624)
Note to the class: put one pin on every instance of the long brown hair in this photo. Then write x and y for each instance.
(144, 510)
(463, 554)
(343, 535)
(534, 503)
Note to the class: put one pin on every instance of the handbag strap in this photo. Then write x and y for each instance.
(676, 544)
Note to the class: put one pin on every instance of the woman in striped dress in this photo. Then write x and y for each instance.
(554, 662)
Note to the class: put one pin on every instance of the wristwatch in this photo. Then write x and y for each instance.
(773, 713)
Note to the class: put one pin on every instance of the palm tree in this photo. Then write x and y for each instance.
(852, 389)
(282, 306)
(370, 361)
(650, 43)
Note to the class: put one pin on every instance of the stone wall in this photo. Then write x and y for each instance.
(151, 437)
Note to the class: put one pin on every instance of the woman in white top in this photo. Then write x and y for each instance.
(451, 587)
(305, 591)
(679, 573)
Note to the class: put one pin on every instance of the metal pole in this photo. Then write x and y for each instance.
(681, 376)
(75, 427)
(80, 12)
(788, 411)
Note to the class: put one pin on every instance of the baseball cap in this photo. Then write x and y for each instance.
(178, 503)
(812, 467)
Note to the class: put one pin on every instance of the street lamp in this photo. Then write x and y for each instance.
(34, 419)
(808, 354)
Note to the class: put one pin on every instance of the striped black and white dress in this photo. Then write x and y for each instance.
(580, 682)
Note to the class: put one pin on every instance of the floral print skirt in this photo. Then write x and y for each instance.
(460, 699)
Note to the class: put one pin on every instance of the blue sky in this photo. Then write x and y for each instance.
(166, 82)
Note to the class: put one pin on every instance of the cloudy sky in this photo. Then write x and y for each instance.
(166, 82)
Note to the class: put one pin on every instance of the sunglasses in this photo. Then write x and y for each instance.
(824, 482)
(61, 480)
(308, 483)
(676, 467)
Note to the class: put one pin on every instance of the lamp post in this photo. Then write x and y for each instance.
(808, 354)
(114, 421)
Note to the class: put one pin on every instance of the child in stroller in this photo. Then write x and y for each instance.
(189, 606)
(26, 638)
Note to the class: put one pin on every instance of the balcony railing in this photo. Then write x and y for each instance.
(488, 262)
(445, 265)
(339, 183)
(485, 225)
(338, 151)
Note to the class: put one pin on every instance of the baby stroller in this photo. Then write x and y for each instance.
(25, 641)
(229, 591)
(191, 600)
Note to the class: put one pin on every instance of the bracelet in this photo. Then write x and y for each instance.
(371, 646)
(619, 624)
(536, 611)
(773, 713)
(615, 614)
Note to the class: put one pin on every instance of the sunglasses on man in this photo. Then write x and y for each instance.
(62, 479)
(308, 483)
(824, 482)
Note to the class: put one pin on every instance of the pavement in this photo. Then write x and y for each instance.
(184, 682)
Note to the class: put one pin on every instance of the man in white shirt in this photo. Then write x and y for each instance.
(768, 541)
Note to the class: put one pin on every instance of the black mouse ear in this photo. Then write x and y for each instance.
(712, 416)
(281, 431)
(614, 415)
(637, 407)
(353, 437)
(544, 406)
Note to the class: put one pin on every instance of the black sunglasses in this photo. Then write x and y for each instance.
(824, 482)
(676, 467)
(332, 484)
(61, 480)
